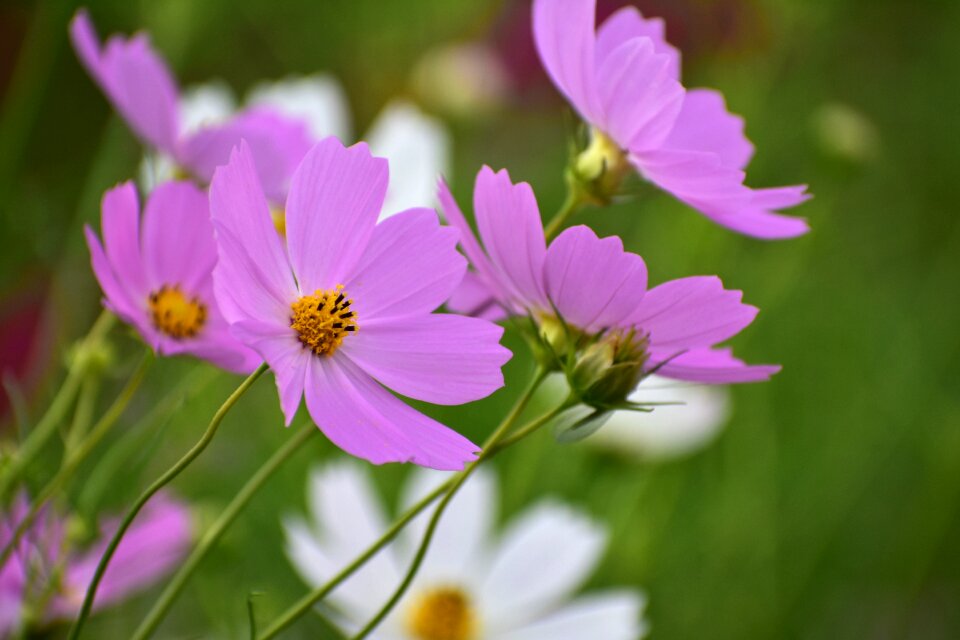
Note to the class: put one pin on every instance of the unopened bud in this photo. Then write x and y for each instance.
(600, 168)
(610, 369)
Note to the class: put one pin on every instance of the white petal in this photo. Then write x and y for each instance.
(607, 616)
(204, 105)
(418, 150)
(543, 557)
(318, 100)
(668, 431)
(155, 169)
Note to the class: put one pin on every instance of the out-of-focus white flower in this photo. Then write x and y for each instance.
(668, 431)
(462, 80)
(416, 145)
(472, 585)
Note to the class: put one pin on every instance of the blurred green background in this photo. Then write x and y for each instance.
(828, 508)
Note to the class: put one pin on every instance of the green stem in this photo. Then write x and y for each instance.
(73, 458)
(83, 413)
(303, 605)
(570, 206)
(47, 425)
(216, 530)
(158, 484)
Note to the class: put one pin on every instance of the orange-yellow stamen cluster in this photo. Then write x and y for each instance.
(175, 314)
(443, 613)
(323, 320)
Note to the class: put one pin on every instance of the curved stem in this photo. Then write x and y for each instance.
(158, 484)
(47, 425)
(216, 530)
(570, 206)
(73, 459)
(303, 605)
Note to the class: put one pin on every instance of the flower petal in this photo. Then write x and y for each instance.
(626, 24)
(318, 100)
(120, 226)
(335, 199)
(704, 124)
(281, 349)
(544, 555)
(564, 34)
(115, 295)
(509, 223)
(691, 312)
(473, 298)
(134, 78)
(365, 420)
(410, 267)
(593, 282)
(611, 615)
(710, 366)
(178, 244)
(438, 358)
(418, 150)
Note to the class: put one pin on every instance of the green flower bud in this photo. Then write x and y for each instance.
(599, 169)
(610, 369)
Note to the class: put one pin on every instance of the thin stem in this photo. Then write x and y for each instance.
(216, 530)
(303, 605)
(570, 206)
(47, 425)
(74, 458)
(83, 413)
(158, 484)
(461, 478)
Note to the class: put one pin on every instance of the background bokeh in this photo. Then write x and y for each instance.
(828, 507)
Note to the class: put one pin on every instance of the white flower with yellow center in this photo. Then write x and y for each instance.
(473, 585)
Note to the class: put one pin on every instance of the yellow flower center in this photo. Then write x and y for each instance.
(443, 613)
(175, 314)
(279, 218)
(323, 320)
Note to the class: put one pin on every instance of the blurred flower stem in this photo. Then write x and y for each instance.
(158, 484)
(212, 535)
(447, 489)
(575, 200)
(58, 408)
(76, 455)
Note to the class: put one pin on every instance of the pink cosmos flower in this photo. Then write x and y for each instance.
(347, 307)
(595, 286)
(141, 88)
(624, 80)
(158, 276)
(44, 565)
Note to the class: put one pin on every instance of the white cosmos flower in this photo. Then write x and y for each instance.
(473, 584)
(417, 146)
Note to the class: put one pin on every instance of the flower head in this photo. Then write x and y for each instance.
(141, 88)
(473, 583)
(589, 292)
(157, 273)
(47, 575)
(348, 305)
(624, 80)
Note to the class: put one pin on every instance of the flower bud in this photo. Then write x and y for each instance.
(610, 369)
(600, 168)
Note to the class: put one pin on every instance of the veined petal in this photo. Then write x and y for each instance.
(691, 312)
(509, 223)
(564, 34)
(593, 282)
(626, 24)
(418, 150)
(612, 615)
(544, 555)
(120, 226)
(438, 358)
(365, 420)
(134, 78)
(178, 244)
(335, 199)
(704, 124)
(710, 366)
(474, 298)
(410, 267)
(115, 294)
(288, 359)
(318, 100)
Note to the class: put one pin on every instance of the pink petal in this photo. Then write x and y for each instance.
(278, 144)
(287, 357)
(117, 299)
(473, 298)
(563, 32)
(639, 96)
(691, 312)
(134, 78)
(627, 24)
(593, 282)
(335, 199)
(509, 223)
(704, 124)
(252, 278)
(365, 420)
(710, 366)
(410, 267)
(178, 244)
(120, 225)
(438, 358)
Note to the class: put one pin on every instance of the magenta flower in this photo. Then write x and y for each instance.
(141, 88)
(624, 80)
(349, 304)
(158, 276)
(595, 286)
(45, 571)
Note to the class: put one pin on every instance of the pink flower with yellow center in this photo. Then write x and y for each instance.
(346, 309)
